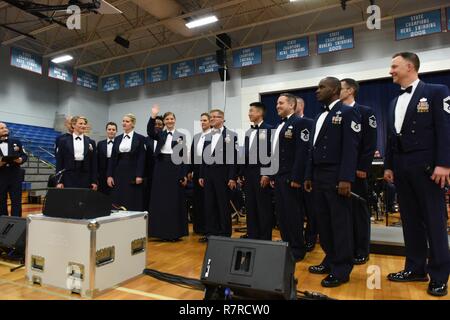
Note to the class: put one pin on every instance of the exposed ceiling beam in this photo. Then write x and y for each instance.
(52, 26)
(388, 17)
(152, 25)
(213, 34)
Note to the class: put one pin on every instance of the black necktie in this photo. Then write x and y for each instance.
(283, 120)
(4, 141)
(110, 141)
(255, 126)
(402, 91)
(78, 138)
(326, 108)
(170, 133)
(127, 136)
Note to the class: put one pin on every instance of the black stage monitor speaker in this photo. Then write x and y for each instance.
(13, 234)
(248, 269)
(72, 203)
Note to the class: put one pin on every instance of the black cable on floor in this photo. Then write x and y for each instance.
(187, 283)
(194, 284)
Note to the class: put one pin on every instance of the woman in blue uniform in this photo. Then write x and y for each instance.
(168, 214)
(76, 158)
(126, 167)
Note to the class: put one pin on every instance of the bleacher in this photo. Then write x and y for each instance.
(39, 141)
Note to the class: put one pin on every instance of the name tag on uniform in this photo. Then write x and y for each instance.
(288, 134)
(423, 106)
(337, 119)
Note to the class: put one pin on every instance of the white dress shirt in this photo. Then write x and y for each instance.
(78, 147)
(277, 133)
(4, 147)
(253, 134)
(201, 143)
(215, 139)
(109, 147)
(125, 145)
(402, 105)
(321, 120)
(167, 147)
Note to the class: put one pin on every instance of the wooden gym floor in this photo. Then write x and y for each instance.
(185, 258)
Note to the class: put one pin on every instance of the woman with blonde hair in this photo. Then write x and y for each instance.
(126, 167)
(76, 157)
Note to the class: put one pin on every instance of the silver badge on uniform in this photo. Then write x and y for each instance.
(423, 106)
(305, 135)
(180, 140)
(288, 134)
(447, 104)
(373, 122)
(16, 147)
(356, 127)
(337, 119)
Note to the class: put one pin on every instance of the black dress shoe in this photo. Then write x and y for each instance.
(310, 246)
(203, 239)
(437, 289)
(360, 260)
(319, 269)
(407, 276)
(331, 281)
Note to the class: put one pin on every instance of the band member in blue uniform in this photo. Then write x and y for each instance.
(76, 158)
(307, 197)
(150, 144)
(168, 212)
(126, 167)
(258, 193)
(104, 152)
(418, 162)
(12, 157)
(290, 145)
(366, 150)
(332, 164)
(199, 219)
(218, 175)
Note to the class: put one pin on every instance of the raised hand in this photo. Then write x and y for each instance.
(155, 110)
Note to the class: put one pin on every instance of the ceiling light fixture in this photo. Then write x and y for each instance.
(62, 59)
(201, 22)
